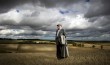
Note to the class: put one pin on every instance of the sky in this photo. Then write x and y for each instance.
(37, 19)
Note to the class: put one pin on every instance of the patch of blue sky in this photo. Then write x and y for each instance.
(17, 11)
(87, 0)
(68, 11)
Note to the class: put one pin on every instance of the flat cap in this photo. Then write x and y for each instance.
(59, 25)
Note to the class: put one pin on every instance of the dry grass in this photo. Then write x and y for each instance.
(46, 56)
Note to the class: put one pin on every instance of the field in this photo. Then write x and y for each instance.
(45, 54)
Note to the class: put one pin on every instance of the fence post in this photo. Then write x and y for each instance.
(101, 46)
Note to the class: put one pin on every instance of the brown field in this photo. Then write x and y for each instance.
(45, 54)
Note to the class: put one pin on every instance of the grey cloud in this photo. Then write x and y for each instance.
(98, 8)
(26, 34)
(101, 23)
(51, 3)
(86, 33)
(6, 5)
(99, 15)
(7, 22)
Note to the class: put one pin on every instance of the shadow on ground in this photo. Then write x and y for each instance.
(45, 54)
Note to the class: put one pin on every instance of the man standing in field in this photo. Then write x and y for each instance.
(61, 44)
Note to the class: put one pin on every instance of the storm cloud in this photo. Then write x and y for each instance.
(99, 15)
(82, 19)
(6, 5)
(99, 8)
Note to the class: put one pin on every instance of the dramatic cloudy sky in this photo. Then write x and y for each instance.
(37, 19)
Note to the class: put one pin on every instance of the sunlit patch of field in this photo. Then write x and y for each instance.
(93, 44)
(45, 54)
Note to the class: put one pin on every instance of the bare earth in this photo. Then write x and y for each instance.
(45, 54)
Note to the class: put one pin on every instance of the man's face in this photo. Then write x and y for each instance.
(58, 27)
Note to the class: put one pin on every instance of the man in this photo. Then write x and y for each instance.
(61, 44)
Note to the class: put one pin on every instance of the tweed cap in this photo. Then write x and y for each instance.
(59, 25)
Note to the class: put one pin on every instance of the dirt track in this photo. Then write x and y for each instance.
(43, 54)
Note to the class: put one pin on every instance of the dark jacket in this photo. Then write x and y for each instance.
(58, 38)
(62, 49)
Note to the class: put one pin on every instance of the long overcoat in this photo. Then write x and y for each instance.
(61, 44)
